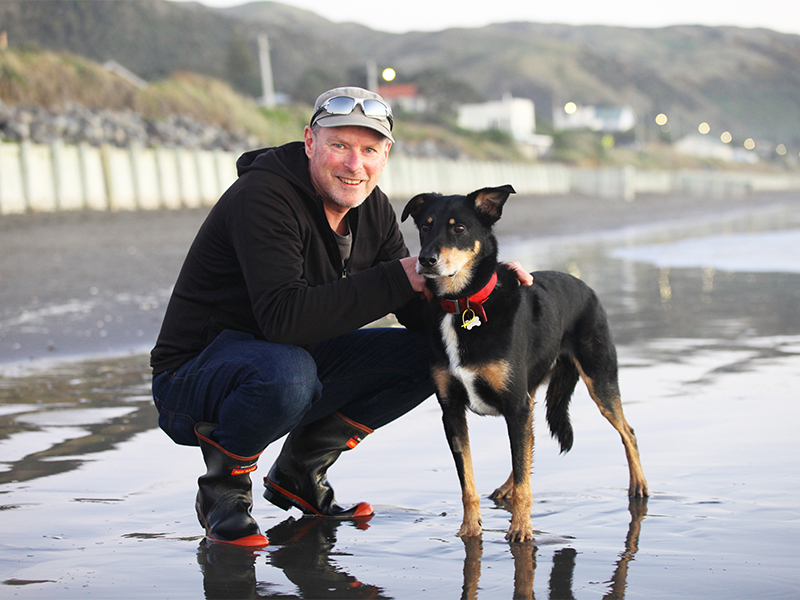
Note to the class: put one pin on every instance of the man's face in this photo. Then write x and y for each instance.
(345, 163)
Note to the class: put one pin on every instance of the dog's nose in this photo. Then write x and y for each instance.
(428, 260)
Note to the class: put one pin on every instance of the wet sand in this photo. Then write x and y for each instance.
(96, 502)
(78, 283)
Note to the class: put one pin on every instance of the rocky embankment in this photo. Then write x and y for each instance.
(78, 125)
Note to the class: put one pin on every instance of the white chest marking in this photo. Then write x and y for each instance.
(464, 374)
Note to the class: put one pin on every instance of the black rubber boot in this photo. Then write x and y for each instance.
(225, 497)
(299, 476)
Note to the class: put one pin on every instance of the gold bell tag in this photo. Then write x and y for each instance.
(469, 322)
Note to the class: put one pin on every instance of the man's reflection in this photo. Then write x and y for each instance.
(303, 554)
(228, 571)
(300, 548)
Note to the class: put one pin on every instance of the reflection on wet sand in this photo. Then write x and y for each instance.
(301, 548)
(59, 417)
(619, 579)
(561, 573)
(305, 550)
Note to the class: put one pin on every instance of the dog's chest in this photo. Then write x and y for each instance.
(465, 375)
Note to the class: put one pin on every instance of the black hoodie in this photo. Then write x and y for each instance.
(266, 262)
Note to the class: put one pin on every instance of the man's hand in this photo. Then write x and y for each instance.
(523, 276)
(416, 280)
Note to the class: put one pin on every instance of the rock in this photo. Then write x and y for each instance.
(78, 124)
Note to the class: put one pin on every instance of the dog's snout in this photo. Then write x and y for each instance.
(428, 260)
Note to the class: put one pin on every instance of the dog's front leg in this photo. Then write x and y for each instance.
(520, 433)
(455, 427)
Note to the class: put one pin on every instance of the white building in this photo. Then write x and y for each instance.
(515, 116)
(595, 118)
(705, 146)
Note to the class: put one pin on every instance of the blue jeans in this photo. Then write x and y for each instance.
(257, 391)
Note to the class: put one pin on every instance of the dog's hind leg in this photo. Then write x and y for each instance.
(604, 390)
(505, 491)
(455, 427)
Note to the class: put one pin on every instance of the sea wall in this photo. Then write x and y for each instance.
(58, 176)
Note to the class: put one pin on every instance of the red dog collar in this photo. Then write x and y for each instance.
(473, 302)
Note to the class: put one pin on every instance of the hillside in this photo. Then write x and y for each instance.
(746, 81)
(45, 96)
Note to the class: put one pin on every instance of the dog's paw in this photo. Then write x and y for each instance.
(502, 493)
(522, 534)
(521, 529)
(638, 489)
(470, 529)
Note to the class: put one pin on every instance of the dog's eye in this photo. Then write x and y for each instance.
(424, 228)
(459, 229)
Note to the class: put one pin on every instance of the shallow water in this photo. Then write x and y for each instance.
(96, 502)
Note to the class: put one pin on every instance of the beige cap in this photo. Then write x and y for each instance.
(356, 117)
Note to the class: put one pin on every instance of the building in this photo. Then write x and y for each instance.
(595, 118)
(515, 116)
(403, 96)
(704, 146)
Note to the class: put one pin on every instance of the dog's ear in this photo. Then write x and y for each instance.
(489, 201)
(416, 204)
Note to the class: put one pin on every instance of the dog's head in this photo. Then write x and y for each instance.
(455, 234)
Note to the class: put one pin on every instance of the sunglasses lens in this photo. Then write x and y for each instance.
(341, 105)
(375, 109)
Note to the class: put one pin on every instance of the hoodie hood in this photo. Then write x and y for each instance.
(288, 161)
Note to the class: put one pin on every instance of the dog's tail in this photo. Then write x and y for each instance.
(563, 378)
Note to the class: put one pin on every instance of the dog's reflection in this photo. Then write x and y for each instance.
(301, 548)
(560, 584)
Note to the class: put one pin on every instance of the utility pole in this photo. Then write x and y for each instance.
(372, 76)
(267, 85)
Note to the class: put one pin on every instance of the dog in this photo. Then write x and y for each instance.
(494, 342)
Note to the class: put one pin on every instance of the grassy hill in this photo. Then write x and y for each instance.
(57, 80)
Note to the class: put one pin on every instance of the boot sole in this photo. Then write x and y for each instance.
(286, 500)
(248, 541)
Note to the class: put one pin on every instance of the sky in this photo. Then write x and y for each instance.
(435, 15)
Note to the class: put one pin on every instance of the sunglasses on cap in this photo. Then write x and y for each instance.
(344, 105)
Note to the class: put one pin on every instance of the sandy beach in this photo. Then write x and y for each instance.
(95, 501)
(78, 283)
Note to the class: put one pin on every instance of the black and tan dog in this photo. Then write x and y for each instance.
(494, 342)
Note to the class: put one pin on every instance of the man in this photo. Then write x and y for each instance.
(262, 334)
